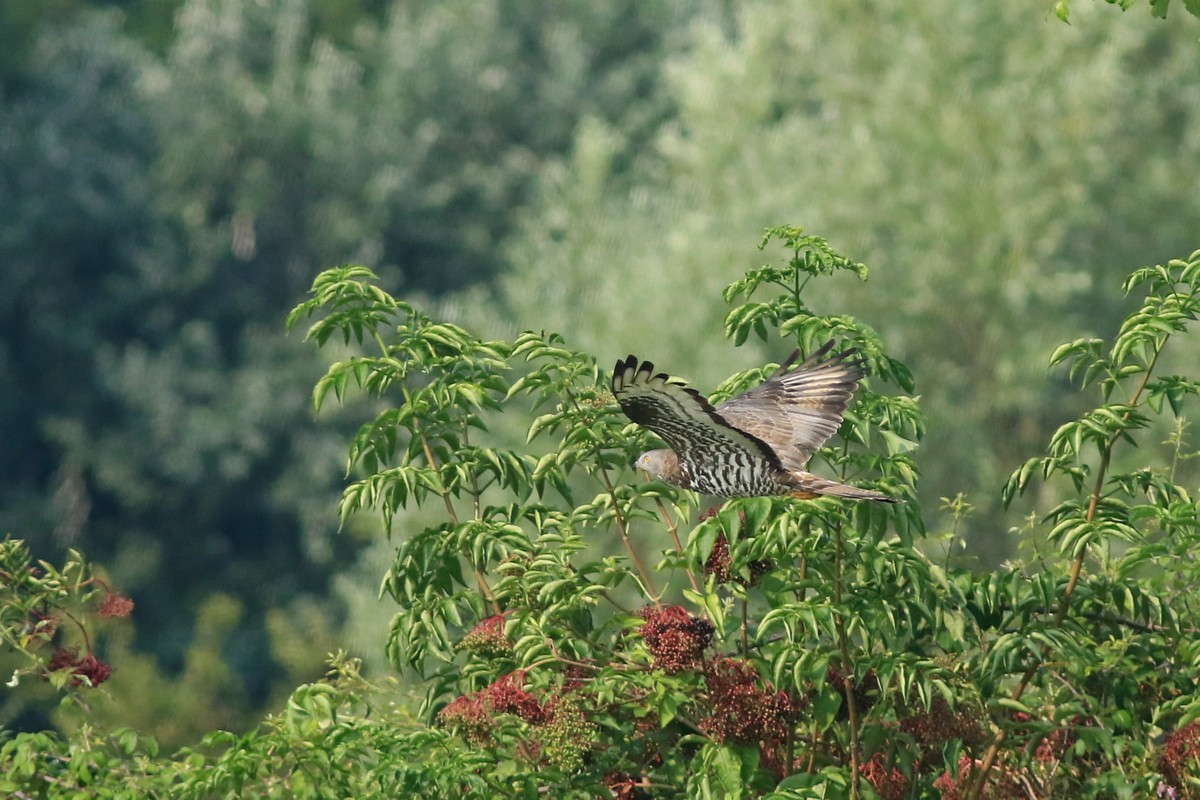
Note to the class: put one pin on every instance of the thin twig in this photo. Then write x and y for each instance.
(745, 626)
(789, 750)
(847, 666)
(431, 459)
(638, 564)
(674, 531)
(476, 503)
(476, 492)
(811, 767)
(805, 531)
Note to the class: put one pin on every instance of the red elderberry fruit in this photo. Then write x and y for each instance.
(675, 638)
(508, 696)
(93, 669)
(1181, 759)
(889, 784)
(487, 638)
(744, 710)
(115, 605)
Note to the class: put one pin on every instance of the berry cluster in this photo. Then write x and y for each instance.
(473, 715)
(743, 711)
(888, 783)
(562, 730)
(88, 667)
(487, 639)
(718, 562)
(1180, 763)
(468, 717)
(866, 691)
(719, 565)
(566, 734)
(675, 638)
(508, 696)
(1002, 785)
(114, 605)
(932, 729)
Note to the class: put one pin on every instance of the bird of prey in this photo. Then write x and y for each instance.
(755, 444)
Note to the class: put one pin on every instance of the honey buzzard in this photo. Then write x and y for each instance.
(755, 444)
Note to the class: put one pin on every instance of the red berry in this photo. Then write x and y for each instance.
(675, 638)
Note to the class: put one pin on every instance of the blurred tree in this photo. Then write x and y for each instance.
(409, 150)
(75, 147)
(19, 24)
(282, 152)
(131, 432)
(164, 211)
(150, 22)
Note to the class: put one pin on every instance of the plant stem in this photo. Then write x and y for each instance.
(674, 531)
(811, 768)
(806, 532)
(979, 781)
(475, 490)
(431, 459)
(789, 750)
(745, 627)
(847, 665)
(638, 564)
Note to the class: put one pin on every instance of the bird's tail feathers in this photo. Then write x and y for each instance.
(809, 486)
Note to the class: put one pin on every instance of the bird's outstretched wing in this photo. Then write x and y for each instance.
(684, 419)
(796, 410)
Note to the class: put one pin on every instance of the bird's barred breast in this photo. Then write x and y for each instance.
(737, 475)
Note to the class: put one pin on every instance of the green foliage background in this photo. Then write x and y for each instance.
(174, 174)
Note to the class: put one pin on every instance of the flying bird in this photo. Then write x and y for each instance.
(755, 444)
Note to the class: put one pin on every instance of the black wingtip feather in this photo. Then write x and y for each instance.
(642, 372)
(623, 364)
(850, 357)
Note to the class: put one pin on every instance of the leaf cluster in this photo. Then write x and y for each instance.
(49, 613)
(581, 632)
(865, 667)
(1158, 8)
(516, 544)
(891, 674)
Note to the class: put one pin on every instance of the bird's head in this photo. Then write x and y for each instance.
(661, 464)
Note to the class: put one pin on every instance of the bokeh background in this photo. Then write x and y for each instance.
(173, 174)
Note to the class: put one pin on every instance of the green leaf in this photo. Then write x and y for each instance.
(727, 769)
(1013, 705)
(825, 706)
(896, 444)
